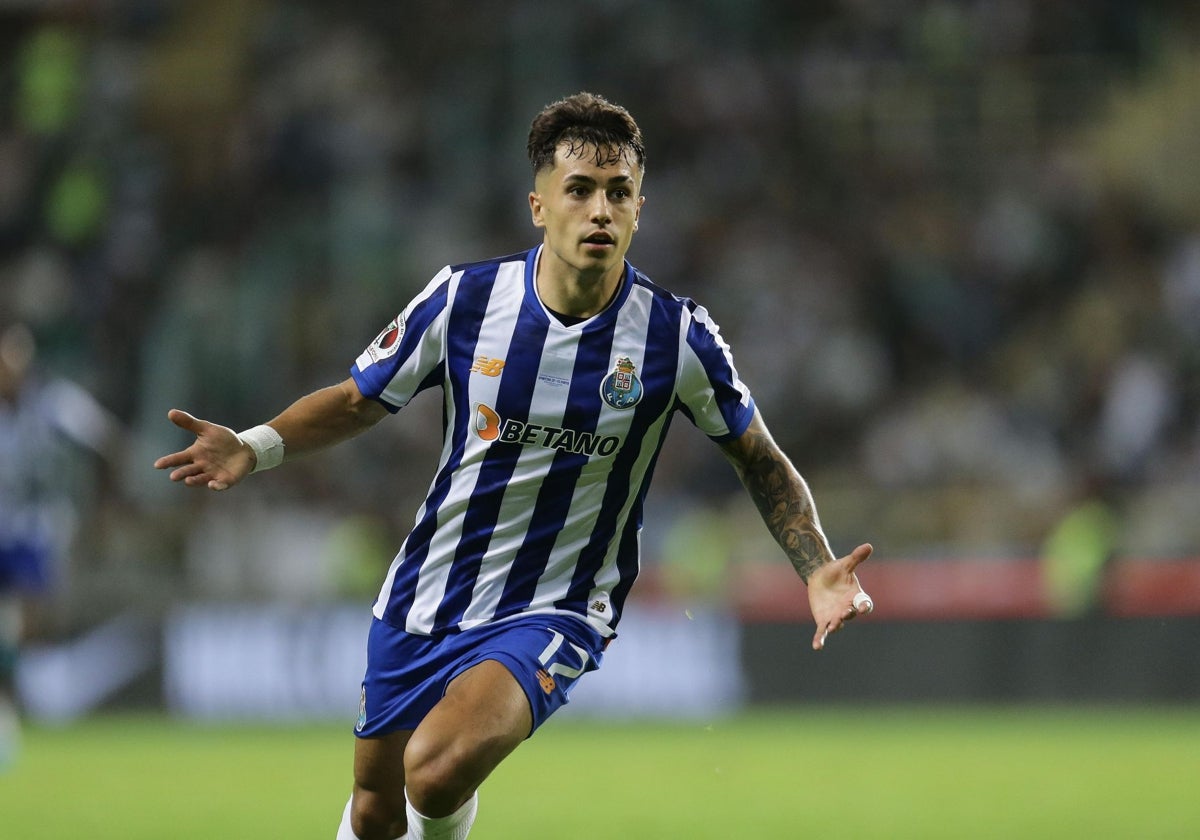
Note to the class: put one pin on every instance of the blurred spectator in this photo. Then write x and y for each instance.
(37, 486)
(1077, 552)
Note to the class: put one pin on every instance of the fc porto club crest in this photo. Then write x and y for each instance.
(622, 389)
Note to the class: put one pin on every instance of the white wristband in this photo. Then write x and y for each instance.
(267, 446)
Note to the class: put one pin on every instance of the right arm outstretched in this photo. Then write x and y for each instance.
(219, 459)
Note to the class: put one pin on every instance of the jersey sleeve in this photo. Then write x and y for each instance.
(710, 392)
(409, 355)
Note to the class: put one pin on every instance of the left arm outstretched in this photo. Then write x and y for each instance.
(786, 505)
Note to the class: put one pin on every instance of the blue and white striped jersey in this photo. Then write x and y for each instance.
(551, 435)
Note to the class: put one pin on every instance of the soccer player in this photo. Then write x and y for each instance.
(560, 370)
(43, 421)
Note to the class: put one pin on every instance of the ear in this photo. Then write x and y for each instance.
(535, 210)
(637, 214)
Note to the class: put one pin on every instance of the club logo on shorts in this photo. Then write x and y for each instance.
(362, 710)
(621, 389)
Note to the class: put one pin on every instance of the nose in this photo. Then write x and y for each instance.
(601, 211)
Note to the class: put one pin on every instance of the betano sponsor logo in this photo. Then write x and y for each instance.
(490, 426)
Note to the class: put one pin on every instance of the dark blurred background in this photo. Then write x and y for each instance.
(955, 247)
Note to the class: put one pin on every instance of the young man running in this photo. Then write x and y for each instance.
(560, 369)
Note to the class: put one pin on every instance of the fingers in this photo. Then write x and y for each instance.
(185, 460)
(188, 470)
(185, 421)
(831, 627)
(858, 555)
(205, 462)
(862, 603)
(179, 459)
(194, 476)
(823, 633)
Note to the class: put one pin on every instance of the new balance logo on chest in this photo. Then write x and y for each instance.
(487, 366)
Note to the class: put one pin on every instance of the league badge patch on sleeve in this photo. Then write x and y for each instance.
(387, 342)
(622, 389)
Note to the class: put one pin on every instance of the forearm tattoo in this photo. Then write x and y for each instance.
(783, 499)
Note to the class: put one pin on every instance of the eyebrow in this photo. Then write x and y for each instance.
(587, 179)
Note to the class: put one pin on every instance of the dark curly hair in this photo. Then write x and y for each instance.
(586, 122)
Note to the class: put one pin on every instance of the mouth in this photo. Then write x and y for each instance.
(599, 239)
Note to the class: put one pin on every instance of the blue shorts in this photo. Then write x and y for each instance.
(408, 674)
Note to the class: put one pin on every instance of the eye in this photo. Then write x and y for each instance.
(620, 194)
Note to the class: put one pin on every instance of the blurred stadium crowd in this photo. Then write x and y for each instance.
(954, 245)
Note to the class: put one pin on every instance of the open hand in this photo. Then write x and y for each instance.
(831, 591)
(217, 459)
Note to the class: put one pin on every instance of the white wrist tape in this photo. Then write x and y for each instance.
(267, 446)
(863, 603)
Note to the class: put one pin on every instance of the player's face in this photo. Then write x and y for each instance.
(588, 206)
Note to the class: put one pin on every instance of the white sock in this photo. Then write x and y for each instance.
(345, 832)
(454, 827)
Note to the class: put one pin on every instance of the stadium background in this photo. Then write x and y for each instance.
(955, 247)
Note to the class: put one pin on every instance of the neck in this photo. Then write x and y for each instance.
(572, 292)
